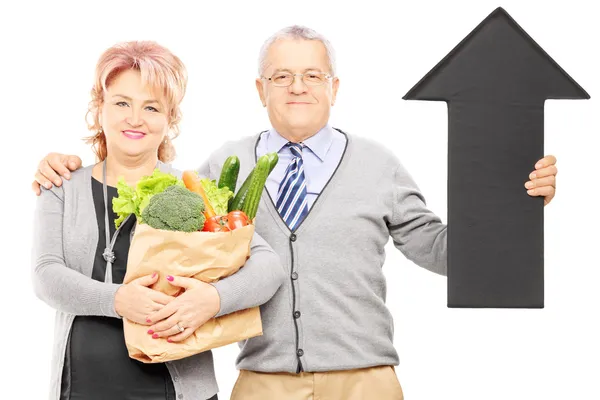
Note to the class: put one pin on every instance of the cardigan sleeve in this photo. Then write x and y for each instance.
(255, 283)
(53, 282)
(416, 231)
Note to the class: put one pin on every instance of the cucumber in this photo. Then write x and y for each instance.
(229, 173)
(257, 184)
(236, 203)
(273, 159)
(238, 200)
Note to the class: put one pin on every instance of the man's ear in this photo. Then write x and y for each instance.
(261, 91)
(334, 89)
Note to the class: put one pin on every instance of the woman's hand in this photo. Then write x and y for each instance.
(192, 309)
(135, 300)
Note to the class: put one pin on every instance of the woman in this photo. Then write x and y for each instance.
(135, 108)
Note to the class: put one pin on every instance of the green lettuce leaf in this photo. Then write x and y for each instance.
(218, 198)
(123, 204)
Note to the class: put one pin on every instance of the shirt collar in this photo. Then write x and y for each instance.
(275, 142)
(319, 144)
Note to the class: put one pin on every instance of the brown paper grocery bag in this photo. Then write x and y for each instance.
(208, 256)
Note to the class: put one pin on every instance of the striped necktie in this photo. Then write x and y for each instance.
(291, 199)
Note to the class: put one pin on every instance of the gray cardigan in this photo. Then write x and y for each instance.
(65, 241)
(330, 314)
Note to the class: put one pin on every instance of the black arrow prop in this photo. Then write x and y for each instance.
(495, 83)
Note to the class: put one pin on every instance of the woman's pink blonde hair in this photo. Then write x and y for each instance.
(159, 68)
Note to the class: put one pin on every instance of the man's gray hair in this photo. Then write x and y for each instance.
(297, 32)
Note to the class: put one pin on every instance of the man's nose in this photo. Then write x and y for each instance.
(298, 86)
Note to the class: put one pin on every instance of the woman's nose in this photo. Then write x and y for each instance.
(134, 119)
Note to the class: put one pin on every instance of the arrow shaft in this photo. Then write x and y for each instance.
(495, 229)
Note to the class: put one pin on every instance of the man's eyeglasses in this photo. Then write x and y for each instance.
(310, 78)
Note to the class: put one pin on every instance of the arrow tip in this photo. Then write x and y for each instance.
(499, 10)
(498, 38)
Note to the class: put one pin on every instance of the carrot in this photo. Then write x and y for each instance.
(192, 182)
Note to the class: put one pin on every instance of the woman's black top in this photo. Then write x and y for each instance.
(97, 364)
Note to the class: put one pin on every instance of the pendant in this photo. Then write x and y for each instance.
(109, 255)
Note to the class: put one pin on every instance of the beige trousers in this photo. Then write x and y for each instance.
(377, 383)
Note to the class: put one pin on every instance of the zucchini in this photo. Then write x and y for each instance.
(238, 200)
(257, 184)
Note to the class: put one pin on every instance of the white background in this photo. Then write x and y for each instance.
(48, 55)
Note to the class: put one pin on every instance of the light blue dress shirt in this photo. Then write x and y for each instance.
(321, 157)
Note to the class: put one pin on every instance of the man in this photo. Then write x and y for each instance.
(330, 206)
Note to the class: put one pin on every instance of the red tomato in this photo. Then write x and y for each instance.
(218, 223)
(237, 219)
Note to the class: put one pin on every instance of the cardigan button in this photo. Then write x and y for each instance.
(293, 237)
(297, 314)
(294, 275)
(300, 352)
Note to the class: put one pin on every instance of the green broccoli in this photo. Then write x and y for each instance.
(175, 209)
